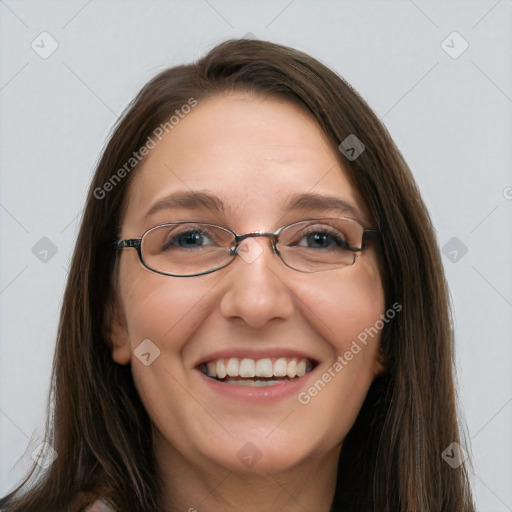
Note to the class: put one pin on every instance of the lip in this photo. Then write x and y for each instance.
(253, 393)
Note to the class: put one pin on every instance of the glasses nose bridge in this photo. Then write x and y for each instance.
(255, 234)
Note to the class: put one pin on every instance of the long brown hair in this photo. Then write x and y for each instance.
(391, 458)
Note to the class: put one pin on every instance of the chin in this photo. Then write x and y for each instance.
(260, 452)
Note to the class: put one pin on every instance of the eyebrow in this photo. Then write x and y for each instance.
(203, 200)
(188, 200)
(313, 201)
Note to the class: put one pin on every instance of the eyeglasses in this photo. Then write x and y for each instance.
(187, 248)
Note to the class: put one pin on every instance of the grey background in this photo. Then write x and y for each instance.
(451, 118)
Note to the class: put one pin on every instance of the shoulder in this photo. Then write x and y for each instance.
(99, 505)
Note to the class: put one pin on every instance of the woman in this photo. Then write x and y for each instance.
(256, 314)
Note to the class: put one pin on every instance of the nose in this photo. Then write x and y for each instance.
(255, 291)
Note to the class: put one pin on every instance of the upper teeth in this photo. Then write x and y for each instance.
(235, 367)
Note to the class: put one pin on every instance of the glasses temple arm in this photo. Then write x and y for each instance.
(121, 244)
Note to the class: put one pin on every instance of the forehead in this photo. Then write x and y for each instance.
(251, 152)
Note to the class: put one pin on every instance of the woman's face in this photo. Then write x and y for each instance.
(251, 159)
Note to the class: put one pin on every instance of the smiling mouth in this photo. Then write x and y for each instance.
(257, 372)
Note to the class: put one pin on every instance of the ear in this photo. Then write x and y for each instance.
(380, 364)
(117, 334)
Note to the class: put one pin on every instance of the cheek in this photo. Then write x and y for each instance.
(342, 306)
(164, 310)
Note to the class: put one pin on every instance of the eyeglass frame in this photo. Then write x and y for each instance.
(273, 236)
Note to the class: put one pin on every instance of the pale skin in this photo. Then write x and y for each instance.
(251, 153)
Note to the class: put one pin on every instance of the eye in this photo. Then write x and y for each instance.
(321, 237)
(189, 239)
